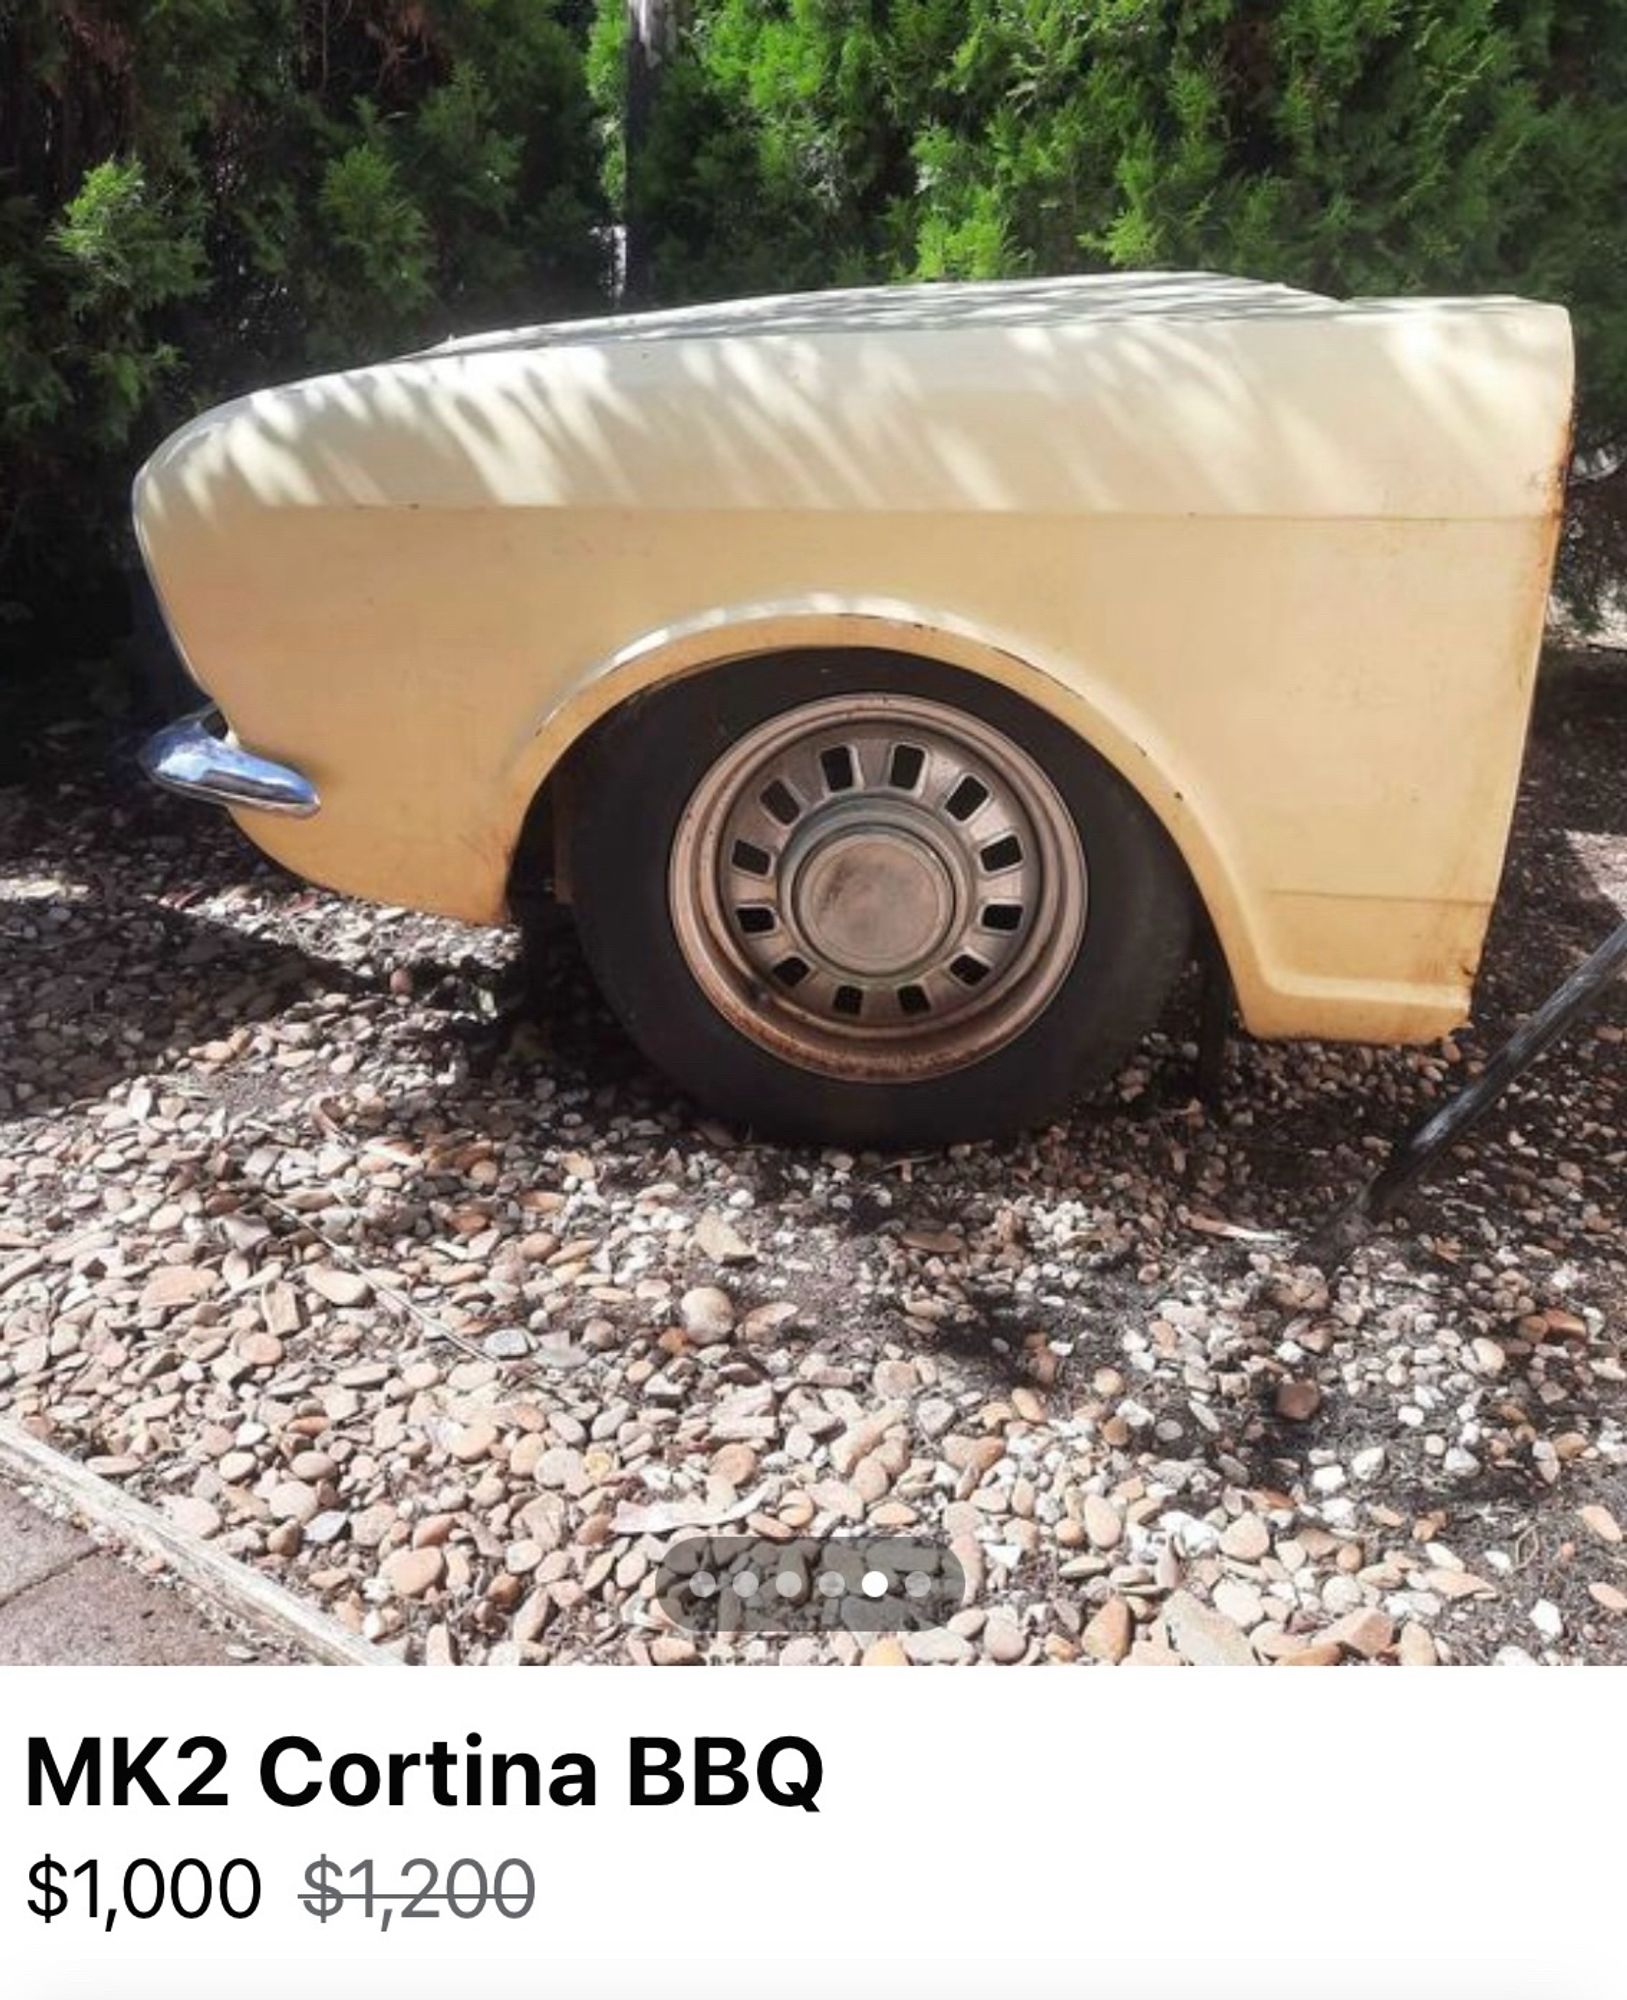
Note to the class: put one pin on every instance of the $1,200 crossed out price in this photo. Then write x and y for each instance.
(192, 1888)
(510, 1890)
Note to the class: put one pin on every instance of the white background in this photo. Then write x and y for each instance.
(1126, 1834)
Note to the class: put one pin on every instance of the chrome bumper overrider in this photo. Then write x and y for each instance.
(189, 757)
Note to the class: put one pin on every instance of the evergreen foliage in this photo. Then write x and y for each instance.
(199, 196)
(1352, 146)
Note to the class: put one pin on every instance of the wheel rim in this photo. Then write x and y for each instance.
(878, 888)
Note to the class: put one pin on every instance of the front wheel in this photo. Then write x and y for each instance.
(861, 898)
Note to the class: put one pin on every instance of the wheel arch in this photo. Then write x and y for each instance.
(538, 794)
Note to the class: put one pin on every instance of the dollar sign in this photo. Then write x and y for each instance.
(47, 1876)
(323, 1876)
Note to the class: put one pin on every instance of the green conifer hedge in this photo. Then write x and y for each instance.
(197, 196)
(1353, 146)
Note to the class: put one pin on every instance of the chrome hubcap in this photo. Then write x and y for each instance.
(873, 900)
(877, 887)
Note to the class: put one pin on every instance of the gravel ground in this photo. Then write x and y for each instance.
(450, 1318)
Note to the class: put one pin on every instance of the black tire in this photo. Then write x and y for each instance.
(636, 775)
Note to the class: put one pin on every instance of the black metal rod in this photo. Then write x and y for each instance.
(1416, 1153)
(1216, 1000)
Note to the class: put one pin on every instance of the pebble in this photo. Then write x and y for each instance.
(735, 1465)
(1107, 1636)
(887, 1651)
(326, 1528)
(1298, 1401)
(974, 1455)
(1240, 1602)
(717, 1238)
(412, 1572)
(173, 1285)
(1365, 1631)
(1416, 1648)
(1246, 1539)
(293, 1500)
(1203, 1637)
(508, 1343)
(1548, 1619)
(1004, 1641)
(859, 1440)
(473, 1443)
(707, 1313)
(339, 1288)
(1341, 1594)
(194, 1517)
(937, 1649)
(371, 1525)
(280, 1310)
(1103, 1525)
(1194, 1538)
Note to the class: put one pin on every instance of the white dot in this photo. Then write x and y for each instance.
(918, 1584)
(745, 1584)
(874, 1584)
(832, 1583)
(703, 1583)
(788, 1583)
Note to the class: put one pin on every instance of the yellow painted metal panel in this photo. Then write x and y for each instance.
(1283, 561)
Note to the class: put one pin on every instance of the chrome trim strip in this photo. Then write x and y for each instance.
(187, 757)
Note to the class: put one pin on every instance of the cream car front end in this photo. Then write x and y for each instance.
(1280, 562)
